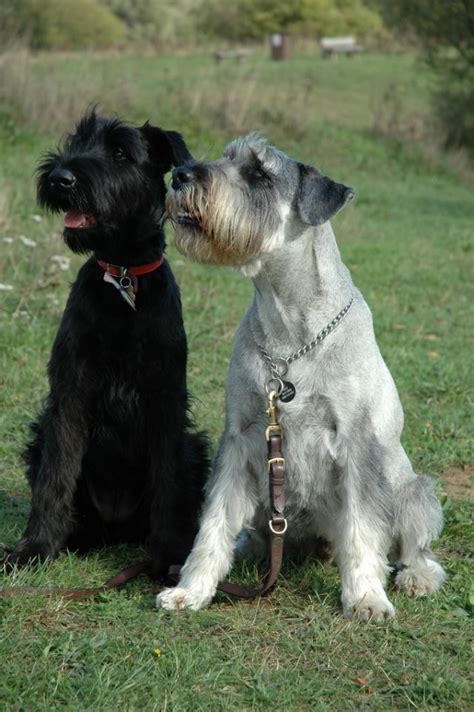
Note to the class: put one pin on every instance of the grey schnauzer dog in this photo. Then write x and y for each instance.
(349, 479)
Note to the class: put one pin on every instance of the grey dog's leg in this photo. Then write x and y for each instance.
(360, 537)
(418, 520)
(230, 504)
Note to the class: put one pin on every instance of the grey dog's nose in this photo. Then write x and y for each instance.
(181, 176)
(62, 178)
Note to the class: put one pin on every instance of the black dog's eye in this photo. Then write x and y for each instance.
(119, 154)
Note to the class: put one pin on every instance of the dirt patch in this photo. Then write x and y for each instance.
(459, 482)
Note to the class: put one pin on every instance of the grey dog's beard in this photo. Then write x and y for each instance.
(213, 226)
(190, 236)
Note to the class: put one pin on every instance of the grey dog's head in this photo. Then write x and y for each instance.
(248, 203)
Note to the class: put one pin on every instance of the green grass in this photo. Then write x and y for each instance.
(408, 241)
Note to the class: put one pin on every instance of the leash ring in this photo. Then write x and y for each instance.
(279, 370)
(275, 531)
(274, 384)
(125, 282)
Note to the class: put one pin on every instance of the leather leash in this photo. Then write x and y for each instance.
(277, 524)
(124, 576)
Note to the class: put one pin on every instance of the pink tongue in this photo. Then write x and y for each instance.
(74, 219)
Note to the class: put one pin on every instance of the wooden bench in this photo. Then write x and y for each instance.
(332, 46)
(237, 54)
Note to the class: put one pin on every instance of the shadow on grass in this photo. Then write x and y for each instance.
(70, 569)
(13, 514)
(308, 577)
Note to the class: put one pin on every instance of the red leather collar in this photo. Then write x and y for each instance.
(117, 271)
(125, 278)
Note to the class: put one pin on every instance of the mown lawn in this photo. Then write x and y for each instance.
(408, 241)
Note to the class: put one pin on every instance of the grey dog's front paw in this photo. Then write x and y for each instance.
(370, 607)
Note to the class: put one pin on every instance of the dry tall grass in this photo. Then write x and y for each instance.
(47, 101)
(37, 93)
(48, 92)
(392, 120)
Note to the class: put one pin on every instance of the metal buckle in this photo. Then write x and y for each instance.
(274, 531)
(280, 460)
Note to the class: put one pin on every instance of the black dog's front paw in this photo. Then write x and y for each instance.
(25, 552)
(159, 570)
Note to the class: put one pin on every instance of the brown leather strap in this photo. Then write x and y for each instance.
(277, 525)
(235, 589)
(119, 579)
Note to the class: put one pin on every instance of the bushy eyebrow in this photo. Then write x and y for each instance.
(126, 138)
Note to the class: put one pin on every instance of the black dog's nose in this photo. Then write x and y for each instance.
(62, 178)
(181, 175)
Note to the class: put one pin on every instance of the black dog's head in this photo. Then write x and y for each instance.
(107, 178)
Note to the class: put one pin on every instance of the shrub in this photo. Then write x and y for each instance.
(446, 32)
(253, 19)
(61, 24)
(156, 22)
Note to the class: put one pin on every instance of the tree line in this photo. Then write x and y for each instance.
(442, 29)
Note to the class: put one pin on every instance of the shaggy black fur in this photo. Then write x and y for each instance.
(112, 457)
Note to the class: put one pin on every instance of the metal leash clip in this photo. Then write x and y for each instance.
(274, 426)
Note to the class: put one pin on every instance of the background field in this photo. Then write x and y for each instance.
(408, 241)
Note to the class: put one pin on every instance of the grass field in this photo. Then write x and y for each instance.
(408, 241)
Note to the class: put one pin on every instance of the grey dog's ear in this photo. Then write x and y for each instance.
(167, 147)
(319, 197)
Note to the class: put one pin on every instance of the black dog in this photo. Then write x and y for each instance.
(112, 457)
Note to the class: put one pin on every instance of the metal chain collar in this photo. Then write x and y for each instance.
(279, 365)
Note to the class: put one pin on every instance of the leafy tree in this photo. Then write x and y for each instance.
(254, 19)
(157, 22)
(446, 30)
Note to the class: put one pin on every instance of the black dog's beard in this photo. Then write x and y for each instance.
(99, 225)
(112, 207)
(81, 220)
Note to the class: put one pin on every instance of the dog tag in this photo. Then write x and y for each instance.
(288, 392)
(126, 292)
(129, 295)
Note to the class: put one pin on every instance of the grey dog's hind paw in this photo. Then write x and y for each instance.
(421, 580)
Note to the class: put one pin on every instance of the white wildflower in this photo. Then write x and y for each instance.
(63, 262)
(36, 218)
(27, 241)
(6, 287)
(8, 240)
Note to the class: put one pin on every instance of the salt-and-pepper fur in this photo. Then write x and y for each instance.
(349, 479)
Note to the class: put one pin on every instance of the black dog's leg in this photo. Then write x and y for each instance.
(179, 465)
(55, 465)
(164, 534)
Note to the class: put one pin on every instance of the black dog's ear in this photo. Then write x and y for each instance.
(319, 197)
(167, 147)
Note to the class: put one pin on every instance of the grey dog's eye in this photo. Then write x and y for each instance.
(259, 172)
(254, 173)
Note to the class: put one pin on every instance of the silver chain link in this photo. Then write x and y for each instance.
(278, 373)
